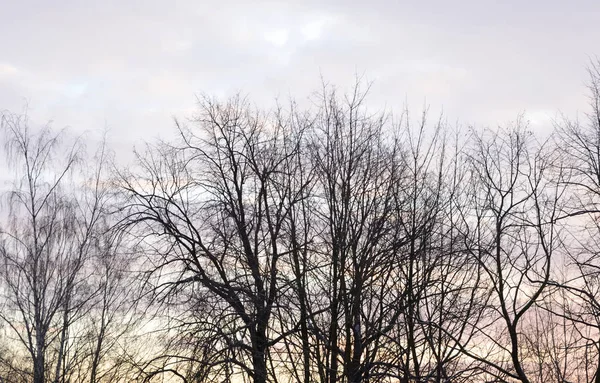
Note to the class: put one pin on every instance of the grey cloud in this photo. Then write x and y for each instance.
(133, 66)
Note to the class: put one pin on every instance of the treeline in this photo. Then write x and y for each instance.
(321, 244)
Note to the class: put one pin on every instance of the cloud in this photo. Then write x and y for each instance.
(314, 29)
(134, 65)
(7, 70)
(278, 37)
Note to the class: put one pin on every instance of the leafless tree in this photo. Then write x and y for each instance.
(40, 259)
(54, 230)
(324, 244)
(513, 216)
(213, 208)
(578, 143)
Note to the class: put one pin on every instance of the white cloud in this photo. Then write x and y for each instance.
(75, 89)
(181, 45)
(85, 65)
(541, 117)
(278, 37)
(314, 29)
(7, 70)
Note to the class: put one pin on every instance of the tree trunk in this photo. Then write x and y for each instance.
(38, 363)
(259, 359)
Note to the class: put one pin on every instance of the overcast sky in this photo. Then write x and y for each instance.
(133, 65)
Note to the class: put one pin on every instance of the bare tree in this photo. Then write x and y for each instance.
(327, 244)
(513, 228)
(39, 257)
(213, 208)
(578, 142)
(358, 234)
(56, 216)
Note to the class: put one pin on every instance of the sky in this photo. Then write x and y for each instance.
(132, 66)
